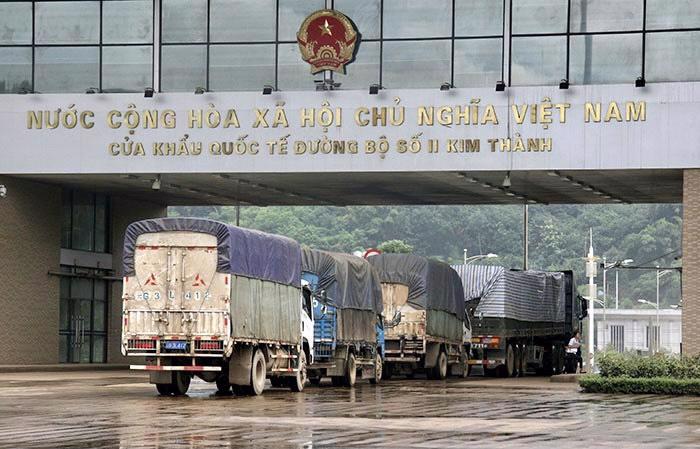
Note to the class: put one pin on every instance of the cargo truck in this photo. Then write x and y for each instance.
(347, 306)
(521, 320)
(423, 316)
(202, 298)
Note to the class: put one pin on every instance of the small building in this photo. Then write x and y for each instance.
(636, 330)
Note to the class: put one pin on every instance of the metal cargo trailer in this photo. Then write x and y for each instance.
(423, 314)
(205, 298)
(520, 319)
(347, 307)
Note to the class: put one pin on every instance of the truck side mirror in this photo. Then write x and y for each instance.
(323, 295)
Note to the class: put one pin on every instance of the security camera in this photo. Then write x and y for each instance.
(3, 191)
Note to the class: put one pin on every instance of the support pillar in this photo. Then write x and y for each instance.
(691, 263)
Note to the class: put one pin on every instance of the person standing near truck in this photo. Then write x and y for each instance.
(573, 351)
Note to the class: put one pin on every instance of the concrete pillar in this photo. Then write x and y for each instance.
(691, 262)
(30, 242)
(124, 211)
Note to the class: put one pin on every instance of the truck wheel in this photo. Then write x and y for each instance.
(181, 383)
(222, 385)
(164, 389)
(258, 373)
(350, 371)
(316, 381)
(439, 371)
(510, 361)
(298, 382)
(377, 370)
(338, 381)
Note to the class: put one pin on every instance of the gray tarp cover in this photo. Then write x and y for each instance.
(349, 281)
(241, 251)
(535, 296)
(431, 284)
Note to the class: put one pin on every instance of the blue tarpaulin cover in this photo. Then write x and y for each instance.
(431, 284)
(349, 281)
(241, 251)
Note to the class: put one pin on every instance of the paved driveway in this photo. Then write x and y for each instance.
(120, 409)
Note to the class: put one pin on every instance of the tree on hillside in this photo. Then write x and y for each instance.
(395, 246)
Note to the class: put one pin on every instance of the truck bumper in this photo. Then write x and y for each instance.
(190, 368)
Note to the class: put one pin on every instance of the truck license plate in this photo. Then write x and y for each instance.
(178, 345)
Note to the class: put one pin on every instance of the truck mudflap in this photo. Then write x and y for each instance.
(190, 368)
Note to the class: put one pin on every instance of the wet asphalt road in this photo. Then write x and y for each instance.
(121, 410)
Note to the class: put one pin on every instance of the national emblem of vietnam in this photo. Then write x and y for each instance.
(327, 40)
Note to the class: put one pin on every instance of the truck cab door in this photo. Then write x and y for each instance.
(307, 320)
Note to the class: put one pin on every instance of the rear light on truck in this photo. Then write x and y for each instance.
(208, 345)
(142, 344)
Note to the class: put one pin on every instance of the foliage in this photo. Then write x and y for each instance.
(395, 246)
(614, 364)
(630, 385)
(558, 235)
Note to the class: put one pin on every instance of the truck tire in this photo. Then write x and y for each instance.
(439, 371)
(222, 385)
(350, 371)
(298, 382)
(338, 381)
(181, 383)
(315, 381)
(378, 365)
(258, 373)
(164, 389)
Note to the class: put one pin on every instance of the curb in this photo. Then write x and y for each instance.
(68, 367)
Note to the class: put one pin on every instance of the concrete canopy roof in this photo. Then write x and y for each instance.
(395, 188)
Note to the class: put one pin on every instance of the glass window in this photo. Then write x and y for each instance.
(605, 58)
(67, 216)
(83, 232)
(538, 60)
(184, 21)
(63, 348)
(101, 223)
(241, 67)
(665, 14)
(183, 67)
(15, 23)
(477, 62)
(604, 15)
(293, 72)
(66, 69)
(539, 16)
(292, 13)
(242, 21)
(127, 69)
(81, 288)
(15, 69)
(411, 64)
(100, 290)
(364, 13)
(98, 349)
(98, 317)
(127, 22)
(417, 18)
(479, 18)
(364, 70)
(673, 56)
(67, 22)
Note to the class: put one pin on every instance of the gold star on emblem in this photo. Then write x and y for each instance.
(326, 28)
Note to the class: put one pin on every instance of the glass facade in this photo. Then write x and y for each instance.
(232, 45)
(83, 319)
(85, 221)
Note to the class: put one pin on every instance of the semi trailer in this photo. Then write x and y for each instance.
(423, 316)
(521, 320)
(203, 298)
(347, 304)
